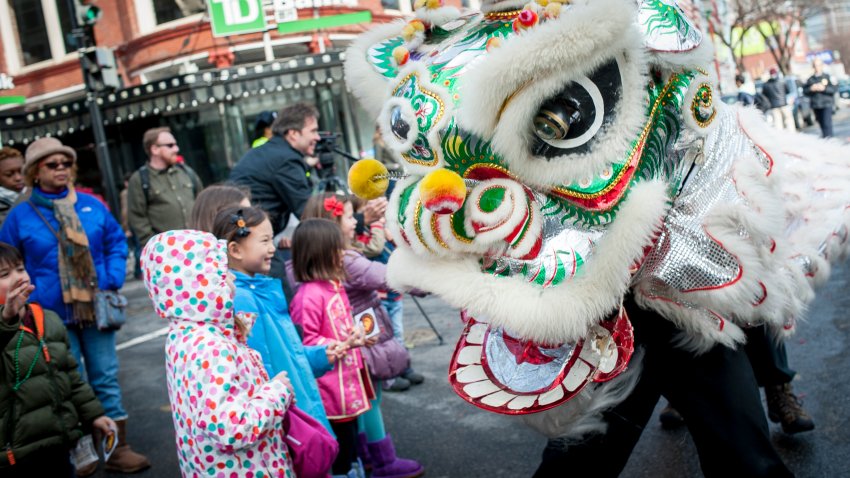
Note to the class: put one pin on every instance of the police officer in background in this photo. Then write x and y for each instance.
(821, 90)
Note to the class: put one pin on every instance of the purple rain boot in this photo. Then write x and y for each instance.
(363, 452)
(385, 464)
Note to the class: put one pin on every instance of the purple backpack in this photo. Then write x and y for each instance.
(312, 448)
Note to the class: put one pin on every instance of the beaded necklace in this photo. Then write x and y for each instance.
(18, 380)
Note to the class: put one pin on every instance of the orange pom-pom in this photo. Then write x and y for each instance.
(442, 191)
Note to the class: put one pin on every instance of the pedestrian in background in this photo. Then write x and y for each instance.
(744, 98)
(777, 95)
(11, 179)
(820, 88)
(263, 128)
(73, 247)
(161, 194)
(47, 408)
(228, 415)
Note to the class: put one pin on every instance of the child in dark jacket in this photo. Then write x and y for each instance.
(45, 406)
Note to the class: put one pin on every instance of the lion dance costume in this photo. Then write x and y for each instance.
(564, 156)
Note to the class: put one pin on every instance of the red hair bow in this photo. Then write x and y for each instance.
(334, 206)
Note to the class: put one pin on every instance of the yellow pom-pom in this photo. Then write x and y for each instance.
(408, 32)
(433, 4)
(542, 3)
(417, 25)
(442, 191)
(553, 10)
(494, 42)
(418, 4)
(401, 55)
(367, 178)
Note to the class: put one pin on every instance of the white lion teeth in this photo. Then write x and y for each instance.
(577, 376)
(476, 334)
(607, 364)
(498, 399)
(472, 373)
(523, 401)
(479, 389)
(469, 355)
(551, 396)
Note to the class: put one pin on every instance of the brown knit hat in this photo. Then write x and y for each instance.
(44, 147)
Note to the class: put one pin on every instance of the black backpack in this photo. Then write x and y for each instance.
(761, 102)
(145, 177)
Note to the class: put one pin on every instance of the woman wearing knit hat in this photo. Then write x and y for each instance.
(72, 247)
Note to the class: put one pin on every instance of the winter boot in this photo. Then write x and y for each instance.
(124, 459)
(670, 418)
(385, 464)
(784, 407)
(398, 384)
(363, 452)
(413, 377)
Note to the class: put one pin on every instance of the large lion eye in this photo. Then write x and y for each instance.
(555, 118)
(567, 122)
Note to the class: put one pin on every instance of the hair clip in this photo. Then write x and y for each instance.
(237, 219)
(334, 206)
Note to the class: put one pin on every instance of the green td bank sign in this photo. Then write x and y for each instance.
(234, 17)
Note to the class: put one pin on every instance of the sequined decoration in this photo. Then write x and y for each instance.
(666, 28)
(685, 257)
(702, 106)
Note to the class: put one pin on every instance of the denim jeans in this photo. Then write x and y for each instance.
(395, 309)
(99, 366)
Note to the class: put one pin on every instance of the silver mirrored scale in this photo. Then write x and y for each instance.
(685, 257)
(509, 370)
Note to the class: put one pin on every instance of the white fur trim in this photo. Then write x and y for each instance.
(437, 16)
(361, 77)
(554, 315)
(532, 67)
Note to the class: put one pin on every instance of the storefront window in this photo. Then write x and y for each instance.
(168, 10)
(65, 25)
(32, 32)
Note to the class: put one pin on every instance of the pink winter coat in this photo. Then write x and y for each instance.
(227, 415)
(322, 310)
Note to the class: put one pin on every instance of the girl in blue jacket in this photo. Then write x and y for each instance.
(250, 248)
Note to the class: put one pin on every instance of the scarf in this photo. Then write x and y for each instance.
(76, 268)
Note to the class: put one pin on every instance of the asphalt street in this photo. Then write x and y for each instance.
(454, 439)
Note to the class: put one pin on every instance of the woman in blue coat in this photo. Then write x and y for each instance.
(92, 256)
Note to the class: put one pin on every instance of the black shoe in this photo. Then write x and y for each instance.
(670, 418)
(786, 408)
(399, 384)
(413, 377)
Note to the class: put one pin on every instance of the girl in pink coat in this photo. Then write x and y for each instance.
(322, 310)
(227, 414)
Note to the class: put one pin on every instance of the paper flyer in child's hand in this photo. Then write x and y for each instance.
(83, 454)
(369, 322)
(110, 442)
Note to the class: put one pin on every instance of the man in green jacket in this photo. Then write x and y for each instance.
(161, 194)
(45, 406)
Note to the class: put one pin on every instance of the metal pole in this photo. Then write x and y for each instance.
(85, 36)
(415, 301)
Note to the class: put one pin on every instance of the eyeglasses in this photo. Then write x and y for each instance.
(167, 145)
(67, 164)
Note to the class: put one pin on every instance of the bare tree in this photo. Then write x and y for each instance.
(732, 33)
(780, 23)
(839, 40)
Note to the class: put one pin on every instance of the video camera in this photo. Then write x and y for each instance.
(325, 150)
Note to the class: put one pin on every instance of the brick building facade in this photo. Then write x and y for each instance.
(174, 72)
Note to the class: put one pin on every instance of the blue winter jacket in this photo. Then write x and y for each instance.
(275, 337)
(25, 230)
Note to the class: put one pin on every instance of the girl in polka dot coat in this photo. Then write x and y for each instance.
(227, 414)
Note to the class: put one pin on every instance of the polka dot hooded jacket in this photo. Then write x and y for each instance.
(227, 414)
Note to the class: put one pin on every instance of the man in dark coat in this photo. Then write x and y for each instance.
(276, 173)
(822, 92)
(776, 93)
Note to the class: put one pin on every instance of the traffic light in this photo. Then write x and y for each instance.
(99, 69)
(87, 12)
